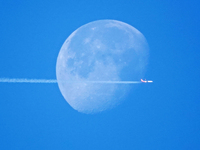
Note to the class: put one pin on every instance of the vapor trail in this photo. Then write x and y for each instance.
(15, 80)
(8, 80)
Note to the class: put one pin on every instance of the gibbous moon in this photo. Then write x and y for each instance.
(103, 50)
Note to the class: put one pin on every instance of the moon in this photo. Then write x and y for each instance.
(103, 50)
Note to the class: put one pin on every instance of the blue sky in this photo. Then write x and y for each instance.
(162, 115)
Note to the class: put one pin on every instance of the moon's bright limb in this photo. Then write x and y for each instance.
(104, 50)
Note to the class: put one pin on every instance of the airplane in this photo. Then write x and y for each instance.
(145, 81)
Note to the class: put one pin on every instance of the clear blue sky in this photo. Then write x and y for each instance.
(162, 115)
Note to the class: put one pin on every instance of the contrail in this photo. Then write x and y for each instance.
(16, 80)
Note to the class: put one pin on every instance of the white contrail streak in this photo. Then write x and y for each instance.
(115, 82)
(15, 80)
(8, 80)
